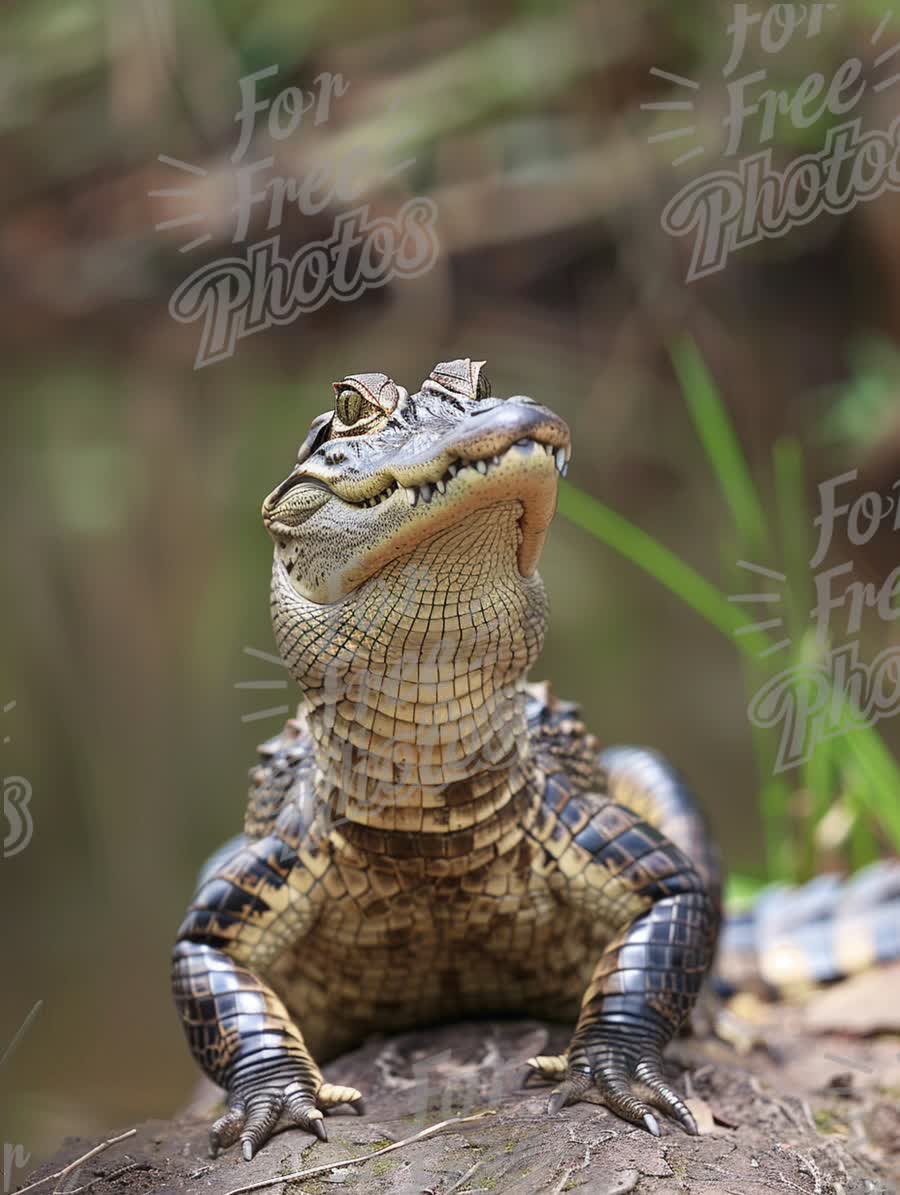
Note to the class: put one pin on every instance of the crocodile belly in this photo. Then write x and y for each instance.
(422, 961)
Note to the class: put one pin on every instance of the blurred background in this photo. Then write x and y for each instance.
(135, 585)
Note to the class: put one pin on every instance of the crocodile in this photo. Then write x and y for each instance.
(432, 837)
(793, 939)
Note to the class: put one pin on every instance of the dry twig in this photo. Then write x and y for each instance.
(329, 1166)
(78, 1162)
(465, 1178)
(103, 1178)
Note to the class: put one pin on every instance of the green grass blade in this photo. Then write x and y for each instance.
(880, 790)
(720, 443)
(793, 519)
(863, 843)
(661, 564)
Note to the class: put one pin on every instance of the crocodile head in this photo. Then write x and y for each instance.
(386, 472)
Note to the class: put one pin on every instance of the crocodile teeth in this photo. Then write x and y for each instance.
(426, 490)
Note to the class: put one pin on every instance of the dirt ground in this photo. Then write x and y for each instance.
(813, 1107)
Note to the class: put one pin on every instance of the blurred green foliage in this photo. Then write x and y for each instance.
(851, 771)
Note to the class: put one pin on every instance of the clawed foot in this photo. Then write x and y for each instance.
(253, 1115)
(624, 1090)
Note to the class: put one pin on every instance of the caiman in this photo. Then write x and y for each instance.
(433, 838)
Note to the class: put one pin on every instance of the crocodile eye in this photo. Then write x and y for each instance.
(350, 406)
(483, 387)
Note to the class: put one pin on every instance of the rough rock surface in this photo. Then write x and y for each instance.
(819, 1115)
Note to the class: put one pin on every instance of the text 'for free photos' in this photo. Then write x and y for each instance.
(236, 295)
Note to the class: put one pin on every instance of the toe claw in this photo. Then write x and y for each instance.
(651, 1125)
(226, 1129)
(663, 1097)
(359, 1106)
(317, 1126)
(689, 1125)
(302, 1111)
(263, 1113)
(576, 1084)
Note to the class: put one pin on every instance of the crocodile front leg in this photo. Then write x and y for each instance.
(238, 1029)
(648, 977)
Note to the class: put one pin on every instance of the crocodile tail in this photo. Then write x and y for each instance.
(828, 929)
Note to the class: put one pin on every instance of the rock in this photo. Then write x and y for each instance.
(418, 1079)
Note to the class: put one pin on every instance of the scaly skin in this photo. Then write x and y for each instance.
(432, 837)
